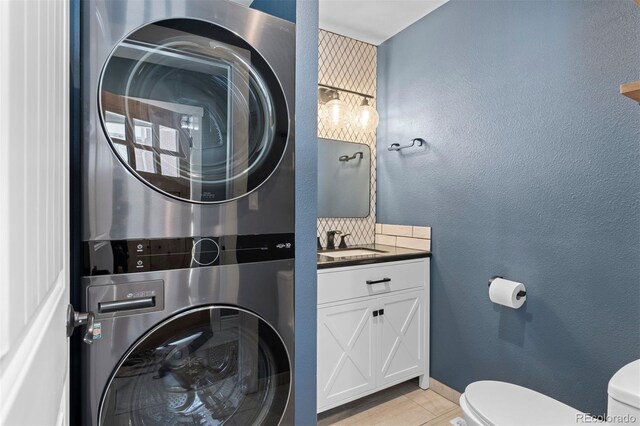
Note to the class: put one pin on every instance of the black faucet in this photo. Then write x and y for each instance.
(331, 242)
(343, 241)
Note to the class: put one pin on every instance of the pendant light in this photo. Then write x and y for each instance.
(365, 117)
(335, 114)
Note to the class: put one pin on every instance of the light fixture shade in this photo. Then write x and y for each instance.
(365, 117)
(322, 113)
(335, 114)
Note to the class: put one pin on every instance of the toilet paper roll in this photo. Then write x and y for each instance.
(505, 292)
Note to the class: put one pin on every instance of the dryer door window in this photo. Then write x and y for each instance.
(210, 365)
(193, 111)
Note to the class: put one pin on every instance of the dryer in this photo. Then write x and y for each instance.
(188, 125)
(188, 213)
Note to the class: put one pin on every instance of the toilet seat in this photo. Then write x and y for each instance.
(500, 403)
(624, 386)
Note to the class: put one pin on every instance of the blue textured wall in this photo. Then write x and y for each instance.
(285, 9)
(306, 200)
(532, 172)
(305, 14)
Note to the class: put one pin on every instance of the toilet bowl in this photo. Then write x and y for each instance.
(624, 395)
(486, 403)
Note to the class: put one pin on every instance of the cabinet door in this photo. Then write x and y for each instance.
(345, 352)
(401, 344)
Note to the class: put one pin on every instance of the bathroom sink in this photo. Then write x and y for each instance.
(352, 253)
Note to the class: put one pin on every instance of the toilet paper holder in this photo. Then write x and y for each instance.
(520, 294)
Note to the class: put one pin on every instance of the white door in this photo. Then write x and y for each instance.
(346, 335)
(34, 241)
(401, 345)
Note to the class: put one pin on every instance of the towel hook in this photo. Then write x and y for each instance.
(354, 156)
(397, 147)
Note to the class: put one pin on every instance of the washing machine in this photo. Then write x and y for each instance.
(191, 346)
(187, 201)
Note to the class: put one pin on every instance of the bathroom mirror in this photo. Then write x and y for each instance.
(344, 170)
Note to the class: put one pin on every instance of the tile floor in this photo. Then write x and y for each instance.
(400, 405)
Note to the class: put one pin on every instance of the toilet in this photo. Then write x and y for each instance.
(489, 402)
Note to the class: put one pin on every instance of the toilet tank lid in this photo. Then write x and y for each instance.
(501, 403)
(624, 386)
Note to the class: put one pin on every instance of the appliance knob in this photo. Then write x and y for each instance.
(205, 251)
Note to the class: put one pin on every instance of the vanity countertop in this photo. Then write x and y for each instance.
(391, 254)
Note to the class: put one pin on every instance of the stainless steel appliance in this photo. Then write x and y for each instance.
(188, 120)
(188, 214)
(203, 345)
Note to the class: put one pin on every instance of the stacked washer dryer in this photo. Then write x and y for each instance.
(188, 214)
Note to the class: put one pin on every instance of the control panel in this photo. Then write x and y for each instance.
(141, 255)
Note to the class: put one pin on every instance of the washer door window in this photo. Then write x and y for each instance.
(193, 111)
(208, 366)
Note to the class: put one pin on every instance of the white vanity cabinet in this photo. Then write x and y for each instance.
(373, 328)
